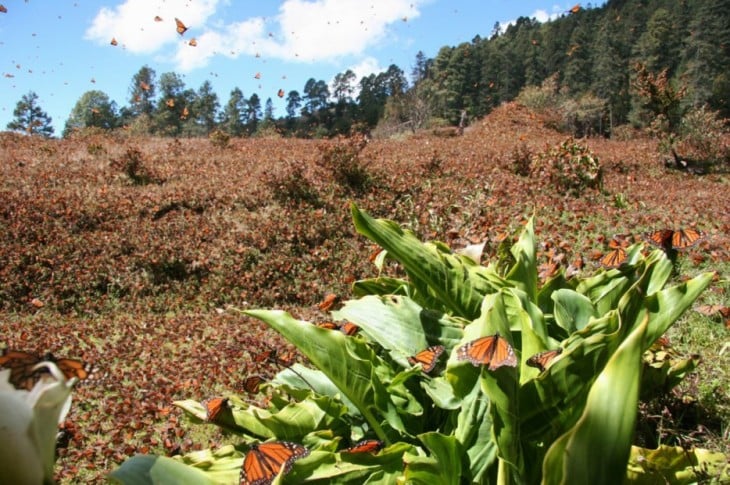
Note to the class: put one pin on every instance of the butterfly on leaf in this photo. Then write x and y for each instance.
(23, 371)
(252, 383)
(364, 446)
(329, 301)
(265, 461)
(214, 407)
(543, 359)
(348, 328)
(493, 351)
(617, 255)
(428, 358)
(670, 239)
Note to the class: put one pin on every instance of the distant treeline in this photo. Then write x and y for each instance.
(594, 53)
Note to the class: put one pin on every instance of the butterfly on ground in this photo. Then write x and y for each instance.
(329, 301)
(617, 255)
(23, 374)
(263, 462)
(179, 26)
(670, 239)
(493, 350)
(543, 359)
(428, 358)
(214, 407)
(364, 446)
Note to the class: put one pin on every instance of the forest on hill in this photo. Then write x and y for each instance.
(592, 63)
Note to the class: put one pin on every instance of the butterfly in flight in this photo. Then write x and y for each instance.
(114, 41)
(428, 358)
(179, 26)
(364, 446)
(492, 350)
(24, 375)
(669, 239)
(265, 461)
(543, 359)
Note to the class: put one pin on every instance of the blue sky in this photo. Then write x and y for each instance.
(61, 48)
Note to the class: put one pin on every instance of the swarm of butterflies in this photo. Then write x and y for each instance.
(669, 240)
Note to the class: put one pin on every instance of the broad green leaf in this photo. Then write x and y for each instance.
(382, 286)
(523, 274)
(572, 310)
(159, 470)
(301, 377)
(596, 449)
(443, 465)
(445, 281)
(398, 323)
(347, 361)
(676, 465)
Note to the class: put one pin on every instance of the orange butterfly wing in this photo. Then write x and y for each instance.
(264, 462)
(180, 27)
(543, 359)
(349, 328)
(660, 238)
(614, 259)
(22, 374)
(328, 325)
(74, 368)
(685, 238)
(492, 350)
(252, 383)
(214, 407)
(428, 358)
(364, 446)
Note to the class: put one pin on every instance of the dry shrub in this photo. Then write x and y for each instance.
(133, 166)
(219, 138)
(702, 135)
(290, 185)
(571, 167)
(342, 158)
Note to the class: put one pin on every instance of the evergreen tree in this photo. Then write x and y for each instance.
(293, 103)
(203, 110)
(254, 113)
(659, 46)
(142, 92)
(233, 119)
(93, 109)
(30, 118)
(171, 105)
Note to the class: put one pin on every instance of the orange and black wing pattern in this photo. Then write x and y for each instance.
(364, 446)
(214, 407)
(614, 258)
(493, 351)
(428, 358)
(180, 27)
(24, 375)
(669, 239)
(543, 359)
(252, 383)
(264, 462)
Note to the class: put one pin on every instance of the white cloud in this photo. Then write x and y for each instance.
(365, 67)
(540, 15)
(132, 22)
(302, 30)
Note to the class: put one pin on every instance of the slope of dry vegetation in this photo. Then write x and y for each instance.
(126, 252)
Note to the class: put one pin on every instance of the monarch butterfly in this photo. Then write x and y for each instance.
(669, 239)
(170, 103)
(180, 26)
(364, 446)
(193, 42)
(144, 86)
(263, 462)
(329, 301)
(543, 359)
(214, 407)
(252, 383)
(348, 328)
(24, 376)
(493, 350)
(427, 358)
(575, 9)
(280, 93)
(158, 18)
(114, 41)
(614, 258)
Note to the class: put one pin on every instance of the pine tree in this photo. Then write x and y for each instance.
(93, 109)
(30, 118)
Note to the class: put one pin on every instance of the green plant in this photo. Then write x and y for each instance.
(571, 423)
(571, 167)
